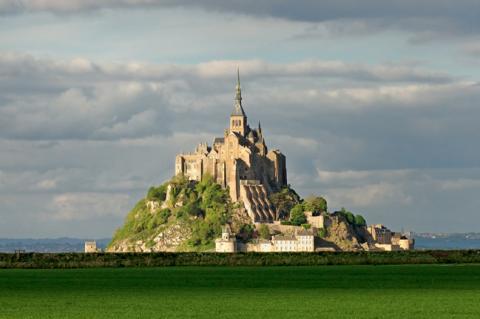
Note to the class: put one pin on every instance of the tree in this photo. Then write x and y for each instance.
(297, 217)
(348, 216)
(315, 204)
(264, 231)
(157, 193)
(246, 230)
(360, 221)
(284, 200)
(322, 233)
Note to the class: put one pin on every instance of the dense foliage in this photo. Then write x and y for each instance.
(352, 219)
(78, 260)
(297, 215)
(202, 206)
(315, 204)
(264, 231)
(285, 200)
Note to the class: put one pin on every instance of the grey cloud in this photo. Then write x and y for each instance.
(404, 197)
(45, 99)
(113, 129)
(472, 50)
(428, 17)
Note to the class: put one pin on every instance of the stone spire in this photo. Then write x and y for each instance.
(238, 109)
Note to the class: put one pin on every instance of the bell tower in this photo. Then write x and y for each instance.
(238, 119)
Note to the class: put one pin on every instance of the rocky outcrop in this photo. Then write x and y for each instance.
(344, 235)
(169, 239)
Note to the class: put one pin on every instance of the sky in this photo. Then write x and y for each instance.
(374, 103)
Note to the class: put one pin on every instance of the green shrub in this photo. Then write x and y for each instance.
(315, 204)
(347, 215)
(360, 221)
(285, 200)
(264, 231)
(247, 230)
(157, 193)
(297, 217)
(322, 233)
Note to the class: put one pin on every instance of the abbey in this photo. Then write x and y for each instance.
(241, 162)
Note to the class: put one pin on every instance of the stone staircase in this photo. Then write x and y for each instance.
(257, 204)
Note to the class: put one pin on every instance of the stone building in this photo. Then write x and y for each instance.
(305, 240)
(387, 240)
(283, 243)
(317, 221)
(302, 241)
(91, 246)
(227, 243)
(380, 234)
(240, 161)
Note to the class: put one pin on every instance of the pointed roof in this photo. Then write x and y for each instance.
(237, 108)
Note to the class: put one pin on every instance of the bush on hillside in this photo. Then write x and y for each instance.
(360, 221)
(297, 217)
(315, 204)
(264, 231)
(285, 200)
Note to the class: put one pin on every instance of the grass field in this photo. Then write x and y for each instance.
(404, 291)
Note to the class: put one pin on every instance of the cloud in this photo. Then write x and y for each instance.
(472, 50)
(47, 184)
(87, 206)
(47, 99)
(428, 19)
(368, 196)
(82, 140)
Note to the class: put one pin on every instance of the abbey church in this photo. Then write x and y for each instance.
(241, 162)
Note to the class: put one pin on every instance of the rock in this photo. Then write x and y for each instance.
(152, 206)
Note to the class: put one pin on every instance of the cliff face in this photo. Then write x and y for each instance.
(345, 236)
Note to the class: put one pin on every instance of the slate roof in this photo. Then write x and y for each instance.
(219, 140)
(238, 110)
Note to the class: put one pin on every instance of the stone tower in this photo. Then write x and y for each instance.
(241, 162)
(238, 119)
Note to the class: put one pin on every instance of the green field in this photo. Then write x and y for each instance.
(403, 291)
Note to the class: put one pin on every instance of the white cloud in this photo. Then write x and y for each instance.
(47, 184)
(369, 195)
(460, 184)
(87, 206)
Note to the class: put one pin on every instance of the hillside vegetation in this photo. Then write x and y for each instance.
(179, 215)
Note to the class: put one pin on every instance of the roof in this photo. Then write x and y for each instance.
(304, 232)
(284, 237)
(238, 110)
(219, 140)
